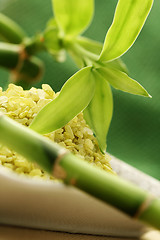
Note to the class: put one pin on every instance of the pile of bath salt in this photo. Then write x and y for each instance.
(76, 136)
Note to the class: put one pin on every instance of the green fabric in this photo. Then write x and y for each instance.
(134, 135)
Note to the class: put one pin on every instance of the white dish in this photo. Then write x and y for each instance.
(53, 206)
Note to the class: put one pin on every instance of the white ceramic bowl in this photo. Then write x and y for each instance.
(53, 206)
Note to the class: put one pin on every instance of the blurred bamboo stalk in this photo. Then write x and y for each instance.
(10, 31)
(16, 53)
(23, 68)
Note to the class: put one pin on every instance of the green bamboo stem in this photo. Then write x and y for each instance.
(9, 55)
(88, 57)
(23, 68)
(13, 33)
(10, 31)
(94, 57)
(28, 143)
(29, 70)
(109, 188)
(112, 189)
(152, 214)
(34, 45)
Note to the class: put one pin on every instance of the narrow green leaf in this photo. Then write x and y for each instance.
(51, 23)
(82, 56)
(122, 81)
(51, 40)
(77, 58)
(73, 16)
(90, 45)
(98, 113)
(117, 64)
(96, 48)
(130, 16)
(75, 95)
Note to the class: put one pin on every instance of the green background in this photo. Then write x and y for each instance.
(134, 135)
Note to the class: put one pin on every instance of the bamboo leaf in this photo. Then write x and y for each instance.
(75, 95)
(77, 58)
(90, 45)
(51, 40)
(51, 23)
(82, 56)
(53, 44)
(117, 64)
(98, 113)
(73, 16)
(122, 81)
(96, 48)
(130, 16)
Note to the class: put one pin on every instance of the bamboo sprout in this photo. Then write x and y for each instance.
(10, 31)
(62, 164)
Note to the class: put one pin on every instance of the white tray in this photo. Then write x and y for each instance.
(53, 206)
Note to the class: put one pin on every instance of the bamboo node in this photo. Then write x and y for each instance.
(22, 53)
(58, 171)
(41, 39)
(22, 56)
(39, 75)
(73, 181)
(144, 206)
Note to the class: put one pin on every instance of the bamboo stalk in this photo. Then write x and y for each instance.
(28, 71)
(28, 143)
(109, 188)
(13, 33)
(10, 31)
(23, 68)
(9, 55)
(34, 45)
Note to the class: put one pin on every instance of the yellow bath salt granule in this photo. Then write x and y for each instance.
(76, 136)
